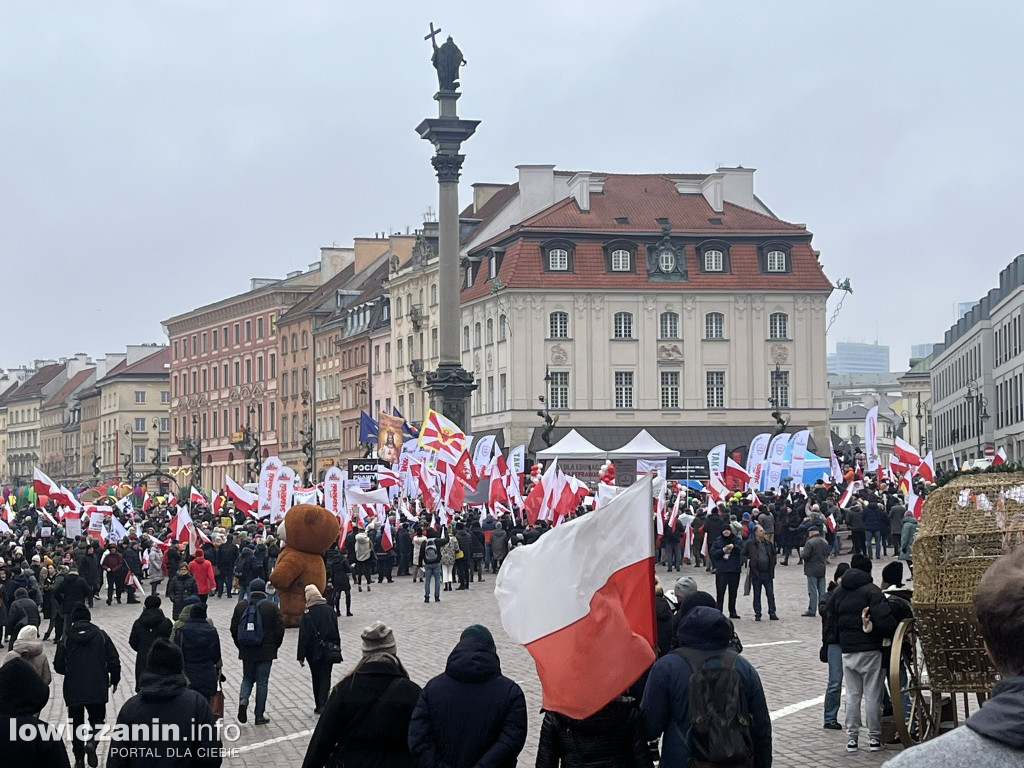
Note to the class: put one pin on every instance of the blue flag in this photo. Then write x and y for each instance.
(367, 428)
(407, 429)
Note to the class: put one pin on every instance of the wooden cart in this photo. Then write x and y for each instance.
(938, 660)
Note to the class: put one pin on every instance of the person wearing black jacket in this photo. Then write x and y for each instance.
(246, 569)
(89, 569)
(227, 556)
(365, 722)
(476, 550)
(164, 702)
(465, 540)
(200, 649)
(725, 554)
(113, 564)
(22, 695)
(860, 617)
(613, 737)
(469, 711)
(713, 525)
(90, 665)
(147, 629)
(257, 660)
(403, 544)
(22, 612)
(338, 570)
(74, 591)
(319, 625)
(759, 555)
(133, 564)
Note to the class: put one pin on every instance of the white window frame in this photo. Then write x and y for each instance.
(673, 319)
(140, 397)
(558, 325)
(624, 383)
(778, 329)
(622, 325)
(775, 261)
(715, 389)
(714, 326)
(622, 260)
(714, 261)
(558, 260)
(666, 260)
(669, 390)
(780, 388)
(558, 390)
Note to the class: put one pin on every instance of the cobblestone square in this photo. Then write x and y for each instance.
(785, 654)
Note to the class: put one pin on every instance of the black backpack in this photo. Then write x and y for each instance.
(430, 552)
(250, 626)
(719, 734)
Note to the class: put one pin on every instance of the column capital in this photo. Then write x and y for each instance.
(447, 166)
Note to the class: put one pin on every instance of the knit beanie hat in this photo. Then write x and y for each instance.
(893, 573)
(694, 600)
(165, 658)
(684, 587)
(81, 613)
(378, 638)
(152, 601)
(257, 585)
(840, 570)
(861, 562)
(479, 632)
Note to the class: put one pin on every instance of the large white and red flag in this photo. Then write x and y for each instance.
(914, 502)
(926, 469)
(244, 500)
(599, 618)
(905, 452)
(196, 497)
(442, 435)
(43, 485)
(735, 474)
(387, 477)
(999, 458)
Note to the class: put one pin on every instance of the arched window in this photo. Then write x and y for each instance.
(558, 260)
(714, 325)
(398, 306)
(305, 340)
(776, 261)
(714, 261)
(623, 325)
(669, 325)
(620, 260)
(476, 335)
(558, 325)
(778, 325)
(284, 345)
(465, 338)
(295, 343)
(433, 294)
(490, 330)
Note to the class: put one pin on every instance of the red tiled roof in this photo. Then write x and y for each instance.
(34, 386)
(70, 386)
(642, 199)
(492, 206)
(151, 365)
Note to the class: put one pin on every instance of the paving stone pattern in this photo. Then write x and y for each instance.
(426, 633)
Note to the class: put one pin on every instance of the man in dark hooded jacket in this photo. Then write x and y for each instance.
(665, 704)
(471, 715)
(165, 703)
(90, 665)
(72, 592)
(147, 629)
(22, 694)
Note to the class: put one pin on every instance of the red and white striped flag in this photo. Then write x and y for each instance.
(999, 458)
(926, 469)
(851, 490)
(244, 500)
(905, 452)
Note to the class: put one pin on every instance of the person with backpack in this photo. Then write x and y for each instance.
(246, 569)
(257, 628)
(147, 629)
(732, 727)
(612, 736)
(430, 562)
(338, 571)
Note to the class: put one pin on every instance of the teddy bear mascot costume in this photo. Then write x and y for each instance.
(306, 533)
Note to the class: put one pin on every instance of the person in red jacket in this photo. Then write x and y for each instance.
(202, 571)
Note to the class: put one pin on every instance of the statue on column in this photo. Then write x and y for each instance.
(447, 59)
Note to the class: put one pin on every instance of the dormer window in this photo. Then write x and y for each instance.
(621, 260)
(713, 261)
(619, 256)
(713, 257)
(666, 260)
(776, 261)
(557, 256)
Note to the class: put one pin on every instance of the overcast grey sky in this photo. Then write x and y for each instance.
(155, 155)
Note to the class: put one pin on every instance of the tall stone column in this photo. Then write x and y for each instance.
(450, 386)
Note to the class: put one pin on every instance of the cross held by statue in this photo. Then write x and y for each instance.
(433, 33)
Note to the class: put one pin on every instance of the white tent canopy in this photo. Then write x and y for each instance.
(573, 446)
(643, 446)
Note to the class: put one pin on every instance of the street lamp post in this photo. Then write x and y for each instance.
(549, 420)
(921, 443)
(775, 401)
(129, 457)
(980, 403)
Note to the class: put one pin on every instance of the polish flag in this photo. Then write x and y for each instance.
(926, 469)
(905, 452)
(387, 477)
(604, 622)
(131, 580)
(534, 500)
(386, 542)
(914, 502)
(716, 488)
(674, 516)
(999, 458)
(735, 475)
(454, 490)
(244, 500)
(464, 468)
(554, 483)
(497, 493)
(218, 502)
(851, 489)
(754, 499)
(43, 485)
(147, 501)
(196, 497)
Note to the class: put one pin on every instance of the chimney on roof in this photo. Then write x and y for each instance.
(536, 188)
(712, 189)
(333, 260)
(738, 186)
(482, 194)
(579, 188)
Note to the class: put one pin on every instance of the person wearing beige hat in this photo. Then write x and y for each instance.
(319, 644)
(365, 721)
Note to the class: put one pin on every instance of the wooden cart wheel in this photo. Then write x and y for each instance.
(920, 722)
